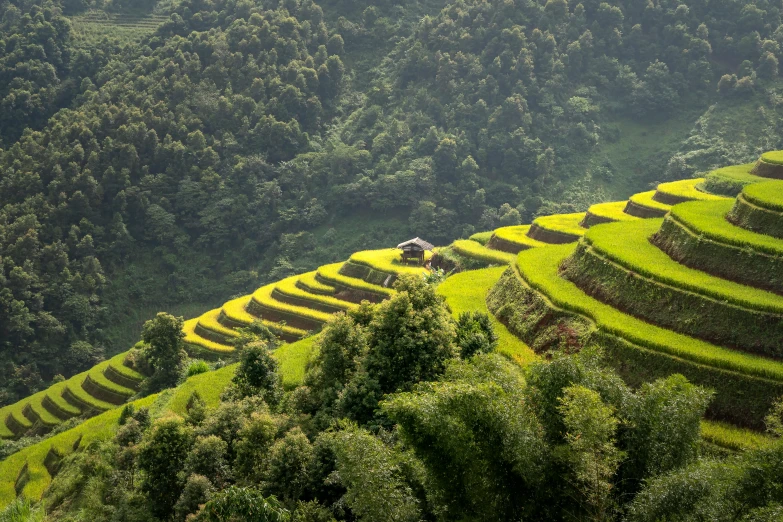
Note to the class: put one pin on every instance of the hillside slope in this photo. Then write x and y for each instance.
(683, 294)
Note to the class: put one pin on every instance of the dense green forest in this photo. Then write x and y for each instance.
(240, 142)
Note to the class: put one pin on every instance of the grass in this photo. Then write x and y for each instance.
(191, 337)
(732, 437)
(311, 284)
(331, 273)
(707, 219)
(539, 268)
(293, 359)
(263, 296)
(563, 223)
(645, 199)
(209, 385)
(387, 260)
(775, 157)
(613, 211)
(467, 291)
(767, 195)
(473, 250)
(289, 288)
(209, 320)
(34, 401)
(482, 237)
(235, 311)
(518, 235)
(627, 245)
(686, 189)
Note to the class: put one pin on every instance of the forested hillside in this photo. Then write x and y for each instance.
(243, 141)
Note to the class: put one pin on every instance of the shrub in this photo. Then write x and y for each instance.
(197, 367)
(475, 334)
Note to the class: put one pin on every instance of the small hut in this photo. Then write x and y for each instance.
(414, 249)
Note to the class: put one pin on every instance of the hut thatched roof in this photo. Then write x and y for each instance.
(418, 242)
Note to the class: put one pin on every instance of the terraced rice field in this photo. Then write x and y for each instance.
(729, 181)
(300, 304)
(101, 388)
(513, 239)
(29, 472)
(698, 293)
(606, 213)
(680, 191)
(698, 235)
(93, 26)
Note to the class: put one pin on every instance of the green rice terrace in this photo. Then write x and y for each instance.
(95, 25)
(687, 278)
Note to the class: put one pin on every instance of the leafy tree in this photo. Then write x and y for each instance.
(411, 336)
(591, 427)
(475, 334)
(161, 458)
(478, 440)
(374, 478)
(163, 350)
(236, 504)
(339, 350)
(287, 467)
(209, 458)
(257, 373)
(197, 492)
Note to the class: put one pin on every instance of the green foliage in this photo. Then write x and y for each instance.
(374, 477)
(339, 349)
(286, 468)
(663, 417)
(745, 488)
(198, 491)
(475, 334)
(197, 367)
(590, 438)
(247, 504)
(163, 350)
(22, 510)
(410, 336)
(257, 373)
(161, 457)
(478, 441)
(208, 457)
